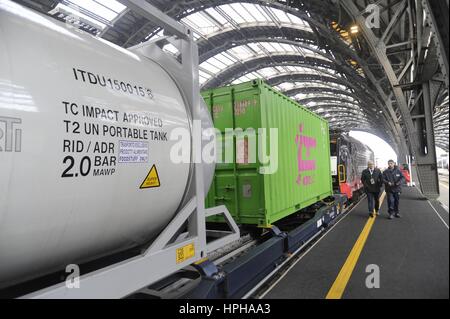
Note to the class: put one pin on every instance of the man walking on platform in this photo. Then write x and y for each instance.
(372, 180)
(393, 179)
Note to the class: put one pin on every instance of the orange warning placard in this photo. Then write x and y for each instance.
(152, 179)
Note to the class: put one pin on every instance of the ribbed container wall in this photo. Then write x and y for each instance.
(298, 173)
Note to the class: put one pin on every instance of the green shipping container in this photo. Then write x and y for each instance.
(256, 190)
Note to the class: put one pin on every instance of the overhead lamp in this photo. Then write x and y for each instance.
(354, 29)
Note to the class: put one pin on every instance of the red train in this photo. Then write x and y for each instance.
(349, 158)
(404, 168)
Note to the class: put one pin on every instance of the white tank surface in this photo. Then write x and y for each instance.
(85, 166)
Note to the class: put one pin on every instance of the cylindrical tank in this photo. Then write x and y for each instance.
(85, 167)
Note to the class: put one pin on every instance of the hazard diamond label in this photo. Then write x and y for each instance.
(152, 179)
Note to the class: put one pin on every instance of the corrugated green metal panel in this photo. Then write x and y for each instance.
(237, 185)
(261, 199)
(303, 176)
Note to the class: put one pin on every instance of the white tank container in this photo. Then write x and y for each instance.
(82, 123)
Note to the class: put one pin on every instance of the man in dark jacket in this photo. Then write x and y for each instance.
(393, 179)
(372, 180)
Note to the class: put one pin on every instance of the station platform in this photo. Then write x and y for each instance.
(444, 190)
(411, 253)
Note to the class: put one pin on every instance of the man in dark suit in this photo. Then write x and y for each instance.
(393, 180)
(372, 180)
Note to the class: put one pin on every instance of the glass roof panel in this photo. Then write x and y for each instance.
(112, 4)
(216, 15)
(245, 13)
(89, 15)
(201, 21)
(233, 10)
(285, 86)
(241, 52)
(226, 58)
(190, 23)
(316, 84)
(73, 15)
(107, 10)
(269, 72)
(199, 24)
(297, 20)
(256, 12)
(216, 63)
(282, 16)
(325, 95)
(263, 48)
(239, 13)
(210, 67)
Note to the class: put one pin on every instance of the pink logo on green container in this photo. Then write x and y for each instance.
(303, 163)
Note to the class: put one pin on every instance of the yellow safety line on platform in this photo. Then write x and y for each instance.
(337, 290)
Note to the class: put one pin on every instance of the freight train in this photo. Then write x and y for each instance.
(55, 210)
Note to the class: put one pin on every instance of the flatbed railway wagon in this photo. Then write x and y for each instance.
(281, 169)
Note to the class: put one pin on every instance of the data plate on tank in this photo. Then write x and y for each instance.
(185, 252)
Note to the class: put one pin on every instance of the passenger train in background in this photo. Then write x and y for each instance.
(349, 158)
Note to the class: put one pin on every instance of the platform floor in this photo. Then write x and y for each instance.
(444, 190)
(412, 254)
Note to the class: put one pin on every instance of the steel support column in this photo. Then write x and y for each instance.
(418, 127)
